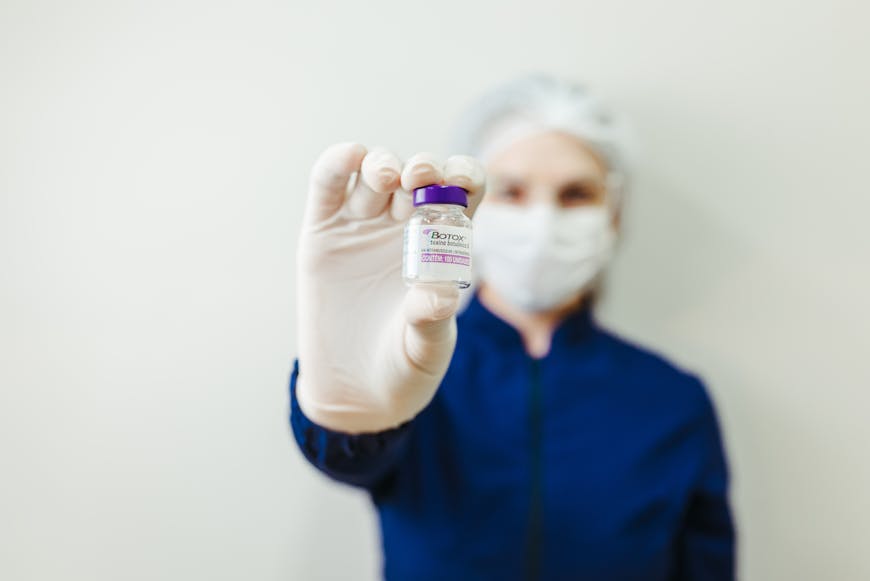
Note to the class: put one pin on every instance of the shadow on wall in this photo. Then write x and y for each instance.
(672, 255)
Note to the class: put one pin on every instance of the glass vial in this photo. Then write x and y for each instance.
(438, 238)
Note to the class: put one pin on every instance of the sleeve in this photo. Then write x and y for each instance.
(362, 460)
(706, 544)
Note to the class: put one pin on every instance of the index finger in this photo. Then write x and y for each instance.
(330, 175)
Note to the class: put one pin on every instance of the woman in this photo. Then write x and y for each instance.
(518, 440)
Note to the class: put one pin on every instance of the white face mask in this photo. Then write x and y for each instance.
(539, 257)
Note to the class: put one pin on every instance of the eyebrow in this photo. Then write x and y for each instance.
(581, 182)
(596, 185)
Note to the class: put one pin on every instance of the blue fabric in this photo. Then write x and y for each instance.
(600, 461)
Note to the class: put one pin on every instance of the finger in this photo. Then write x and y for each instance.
(330, 175)
(467, 173)
(380, 173)
(420, 170)
(431, 332)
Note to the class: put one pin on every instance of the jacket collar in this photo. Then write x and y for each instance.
(578, 327)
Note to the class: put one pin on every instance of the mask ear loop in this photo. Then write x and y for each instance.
(615, 182)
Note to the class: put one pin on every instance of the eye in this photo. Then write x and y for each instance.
(579, 193)
(509, 193)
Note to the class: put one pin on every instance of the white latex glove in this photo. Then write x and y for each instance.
(372, 351)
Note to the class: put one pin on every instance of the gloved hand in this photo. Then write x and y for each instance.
(372, 351)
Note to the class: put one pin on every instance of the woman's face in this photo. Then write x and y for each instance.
(553, 168)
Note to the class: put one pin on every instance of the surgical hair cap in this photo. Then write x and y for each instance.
(540, 103)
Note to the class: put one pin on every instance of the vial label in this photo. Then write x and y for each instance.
(437, 253)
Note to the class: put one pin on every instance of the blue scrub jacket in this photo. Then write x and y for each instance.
(600, 461)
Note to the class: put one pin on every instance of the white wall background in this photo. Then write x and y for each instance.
(153, 160)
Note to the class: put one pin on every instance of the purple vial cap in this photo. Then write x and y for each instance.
(438, 194)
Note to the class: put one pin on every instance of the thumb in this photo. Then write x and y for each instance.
(430, 335)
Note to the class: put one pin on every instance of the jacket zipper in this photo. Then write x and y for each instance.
(536, 509)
